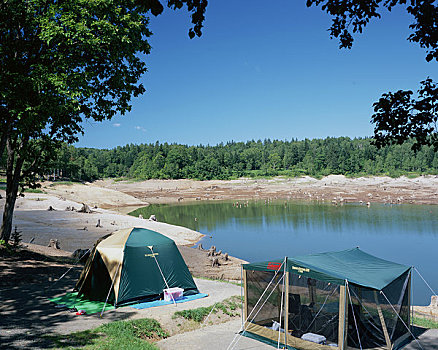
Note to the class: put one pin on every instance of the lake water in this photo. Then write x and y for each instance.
(258, 231)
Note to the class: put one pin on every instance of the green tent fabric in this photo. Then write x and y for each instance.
(134, 264)
(353, 265)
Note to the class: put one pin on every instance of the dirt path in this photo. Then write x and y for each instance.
(26, 283)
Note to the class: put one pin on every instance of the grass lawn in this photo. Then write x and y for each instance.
(127, 335)
(424, 322)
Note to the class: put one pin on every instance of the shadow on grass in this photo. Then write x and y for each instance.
(26, 314)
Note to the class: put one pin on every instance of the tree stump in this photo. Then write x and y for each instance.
(81, 254)
(54, 244)
(85, 209)
(215, 262)
(211, 251)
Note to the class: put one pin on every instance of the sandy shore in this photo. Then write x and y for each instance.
(111, 200)
(338, 188)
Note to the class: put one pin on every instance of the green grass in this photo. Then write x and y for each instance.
(33, 190)
(57, 183)
(127, 335)
(424, 322)
(230, 307)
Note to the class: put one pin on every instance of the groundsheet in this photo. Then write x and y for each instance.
(164, 302)
(71, 300)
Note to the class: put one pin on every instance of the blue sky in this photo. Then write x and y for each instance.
(263, 70)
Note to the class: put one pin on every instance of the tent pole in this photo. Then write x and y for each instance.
(245, 294)
(382, 321)
(162, 275)
(286, 308)
(409, 298)
(281, 307)
(112, 284)
(342, 318)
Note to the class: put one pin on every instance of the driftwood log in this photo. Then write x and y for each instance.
(54, 244)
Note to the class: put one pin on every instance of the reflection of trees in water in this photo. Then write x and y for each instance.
(294, 215)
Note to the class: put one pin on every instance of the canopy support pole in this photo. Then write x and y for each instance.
(342, 318)
(286, 309)
(382, 321)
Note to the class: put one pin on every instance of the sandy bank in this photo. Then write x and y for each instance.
(337, 188)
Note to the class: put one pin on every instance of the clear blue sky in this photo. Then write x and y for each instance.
(263, 70)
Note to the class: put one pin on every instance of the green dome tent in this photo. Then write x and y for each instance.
(134, 264)
(336, 300)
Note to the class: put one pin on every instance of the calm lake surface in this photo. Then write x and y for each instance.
(258, 231)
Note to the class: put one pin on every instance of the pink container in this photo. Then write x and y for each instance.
(172, 294)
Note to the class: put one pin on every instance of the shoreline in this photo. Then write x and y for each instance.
(111, 200)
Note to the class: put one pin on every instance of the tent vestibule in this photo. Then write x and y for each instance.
(336, 300)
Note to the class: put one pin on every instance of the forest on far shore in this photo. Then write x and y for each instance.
(316, 157)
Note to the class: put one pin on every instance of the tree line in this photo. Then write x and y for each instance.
(316, 157)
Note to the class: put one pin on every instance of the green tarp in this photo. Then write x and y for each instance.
(353, 265)
(71, 300)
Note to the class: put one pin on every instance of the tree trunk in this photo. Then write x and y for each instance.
(13, 181)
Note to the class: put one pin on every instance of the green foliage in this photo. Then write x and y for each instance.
(256, 159)
(136, 334)
(424, 322)
(33, 190)
(228, 307)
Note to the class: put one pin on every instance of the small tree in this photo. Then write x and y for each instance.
(62, 62)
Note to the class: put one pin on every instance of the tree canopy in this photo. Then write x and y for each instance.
(63, 62)
(398, 115)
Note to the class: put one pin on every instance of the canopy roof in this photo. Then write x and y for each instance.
(353, 265)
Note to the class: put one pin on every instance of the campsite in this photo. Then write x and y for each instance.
(210, 175)
(31, 281)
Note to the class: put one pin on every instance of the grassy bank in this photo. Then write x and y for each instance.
(127, 335)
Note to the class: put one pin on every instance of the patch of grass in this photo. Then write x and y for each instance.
(424, 322)
(229, 307)
(218, 279)
(130, 335)
(66, 183)
(33, 190)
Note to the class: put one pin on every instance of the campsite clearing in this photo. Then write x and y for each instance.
(27, 314)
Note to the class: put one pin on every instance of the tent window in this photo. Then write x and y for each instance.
(257, 282)
(369, 306)
(313, 308)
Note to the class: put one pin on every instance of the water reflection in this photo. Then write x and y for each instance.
(259, 230)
